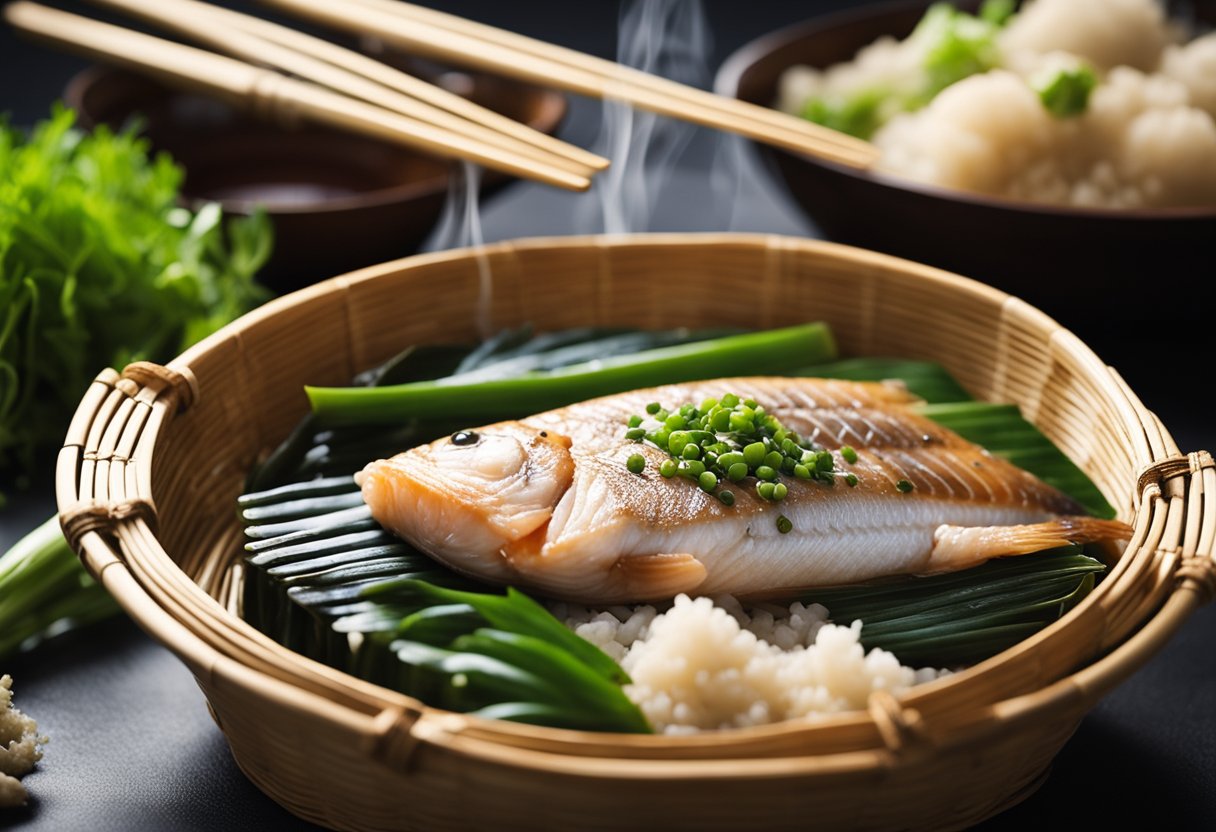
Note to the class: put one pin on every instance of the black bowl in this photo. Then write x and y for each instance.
(1124, 267)
(338, 201)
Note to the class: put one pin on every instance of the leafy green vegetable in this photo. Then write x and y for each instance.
(1065, 93)
(100, 265)
(964, 617)
(524, 659)
(513, 612)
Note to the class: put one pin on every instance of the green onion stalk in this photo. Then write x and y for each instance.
(44, 590)
(777, 350)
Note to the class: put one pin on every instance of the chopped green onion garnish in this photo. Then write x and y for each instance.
(1065, 93)
(730, 439)
(784, 524)
(727, 497)
(636, 464)
(850, 455)
(903, 486)
(850, 480)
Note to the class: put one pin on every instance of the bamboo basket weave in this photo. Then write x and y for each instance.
(156, 456)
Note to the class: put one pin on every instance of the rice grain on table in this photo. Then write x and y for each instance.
(712, 663)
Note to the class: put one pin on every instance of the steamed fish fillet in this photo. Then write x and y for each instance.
(547, 503)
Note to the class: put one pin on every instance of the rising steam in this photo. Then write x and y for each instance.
(652, 156)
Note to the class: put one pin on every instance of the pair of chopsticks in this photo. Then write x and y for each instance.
(332, 85)
(345, 89)
(445, 37)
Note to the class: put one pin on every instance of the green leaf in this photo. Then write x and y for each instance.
(100, 266)
(603, 702)
(925, 379)
(513, 612)
(964, 617)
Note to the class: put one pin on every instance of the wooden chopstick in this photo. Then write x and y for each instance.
(243, 84)
(449, 38)
(263, 42)
(610, 69)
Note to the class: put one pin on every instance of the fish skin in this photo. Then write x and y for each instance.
(613, 536)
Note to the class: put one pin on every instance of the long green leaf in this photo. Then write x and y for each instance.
(514, 612)
(586, 690)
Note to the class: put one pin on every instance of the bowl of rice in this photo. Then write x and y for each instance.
(1064, 151)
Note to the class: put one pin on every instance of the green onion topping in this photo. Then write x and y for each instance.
(730, 439)
(636, 463)
(903, 486)
(784, 524)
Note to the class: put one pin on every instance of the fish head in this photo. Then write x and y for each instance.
(465, 497)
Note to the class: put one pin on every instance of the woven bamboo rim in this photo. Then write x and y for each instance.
(156, 455)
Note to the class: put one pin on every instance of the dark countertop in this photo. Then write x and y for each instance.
(134, 748)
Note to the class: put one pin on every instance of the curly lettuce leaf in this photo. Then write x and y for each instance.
(100, 265)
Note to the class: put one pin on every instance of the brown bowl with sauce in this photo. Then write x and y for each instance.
(338, 201)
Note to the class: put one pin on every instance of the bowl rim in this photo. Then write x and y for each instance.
(553, 108)
(729, 75)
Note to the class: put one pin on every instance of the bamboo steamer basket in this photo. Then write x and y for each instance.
(156, 456)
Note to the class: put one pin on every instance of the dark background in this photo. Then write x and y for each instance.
(133, 747)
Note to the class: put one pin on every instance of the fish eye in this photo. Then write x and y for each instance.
(466, 437)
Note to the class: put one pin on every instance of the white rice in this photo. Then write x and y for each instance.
(1147, 139)
(712, 664)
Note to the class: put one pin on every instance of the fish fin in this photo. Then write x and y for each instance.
(958, 547)
(649, 577)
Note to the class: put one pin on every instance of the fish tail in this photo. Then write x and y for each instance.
(958, 547)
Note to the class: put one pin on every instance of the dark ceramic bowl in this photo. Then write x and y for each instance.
(338, 201)
(1124, 267)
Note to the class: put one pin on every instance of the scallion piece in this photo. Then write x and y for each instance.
(775, 350)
